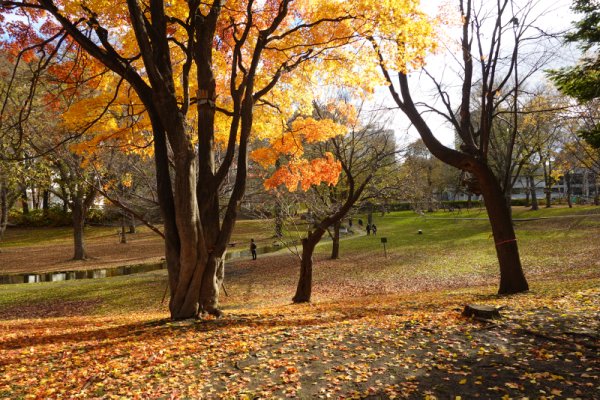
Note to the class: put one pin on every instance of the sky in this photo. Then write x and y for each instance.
(556, 16)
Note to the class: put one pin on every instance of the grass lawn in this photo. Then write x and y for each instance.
(29, 250)
(378, 327)
(21, 237)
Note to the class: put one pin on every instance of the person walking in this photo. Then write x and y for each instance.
(253, 249)
(368, 229)
(374, 228)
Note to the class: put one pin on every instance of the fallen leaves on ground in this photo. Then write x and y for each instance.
(393, 346)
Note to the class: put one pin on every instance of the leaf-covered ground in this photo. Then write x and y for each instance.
(415, 346)
(378, 327)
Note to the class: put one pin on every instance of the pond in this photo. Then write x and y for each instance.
(118, 271)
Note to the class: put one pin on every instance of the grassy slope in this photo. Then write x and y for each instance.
(451, 253)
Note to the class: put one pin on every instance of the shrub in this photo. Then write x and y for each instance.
(523, 202)
(54, 217)
(37, 218)
(461, 204)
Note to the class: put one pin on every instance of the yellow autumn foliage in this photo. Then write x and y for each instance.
(319, 45)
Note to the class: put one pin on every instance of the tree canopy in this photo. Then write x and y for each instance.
(197, 76)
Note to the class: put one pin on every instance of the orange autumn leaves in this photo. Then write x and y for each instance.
(300, 171)
(306, 173)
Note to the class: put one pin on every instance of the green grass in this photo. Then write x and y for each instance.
(35, 236)
(16, 237)
(451, 252)
(123, 294)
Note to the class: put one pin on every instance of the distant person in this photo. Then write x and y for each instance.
(374, 228)
(368, 229)
(350, 222)
(253, 249)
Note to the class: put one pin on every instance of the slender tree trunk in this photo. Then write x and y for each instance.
(278, 221)
(335, 248)
(596, 191)
(527, 190)
(3, 210)
(132, 228)
(46, 202)
(37, 198)
(569, 189)
(304, 289)
(534, 201)
(24, 201)
(123, 237)
(78, 214)
(512, 279)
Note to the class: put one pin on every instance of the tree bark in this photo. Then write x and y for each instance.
(3, 210)
(508, 201)
(548, 183)
(278, 221)
(304, 289)
(46, 202)
(596, 191)
(569, 189)
(335, 248)
(132, 228)
(534, 201)
(24, 201)
(512, 279)
(527, 191)
(78, 215)
(123, 237)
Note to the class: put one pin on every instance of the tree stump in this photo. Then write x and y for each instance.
(481, 311)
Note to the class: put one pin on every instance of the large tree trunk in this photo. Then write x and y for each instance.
(534, 201)
(304, 289)
(78, 214)
(508, 201)
(192, 255)
(512, 279)
(335, 248)
(214, 272)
